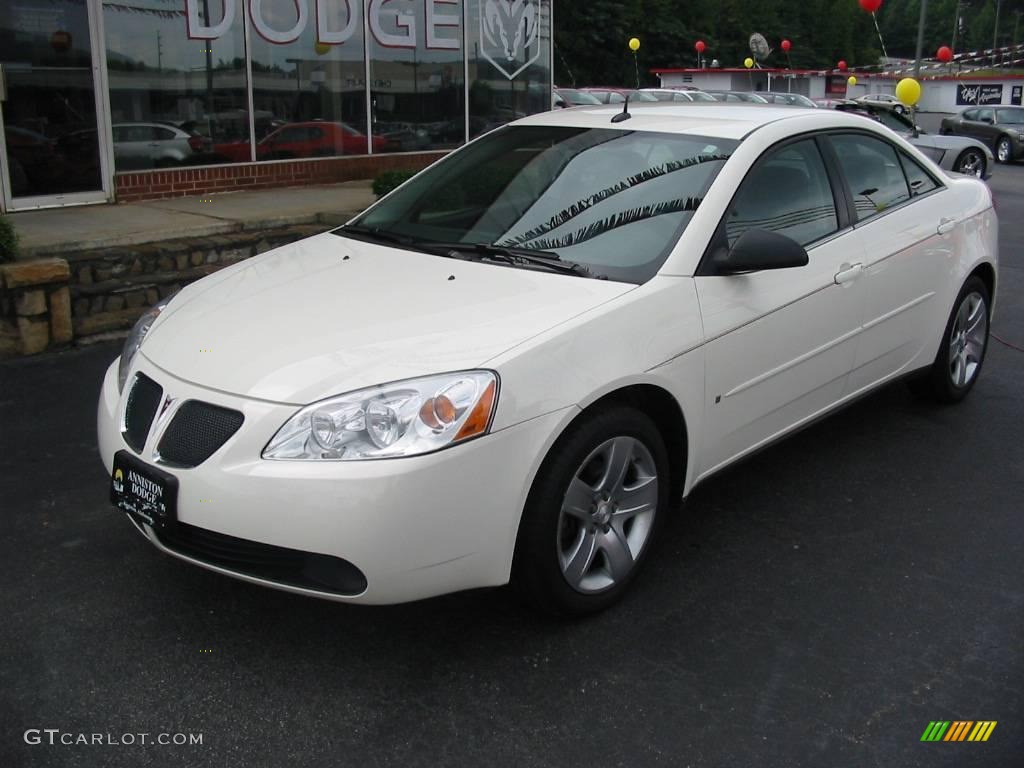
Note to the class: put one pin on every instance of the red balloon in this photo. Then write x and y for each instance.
(699, 45)
(944, 54)
(870, 5)
(786, 45)
(842, 66)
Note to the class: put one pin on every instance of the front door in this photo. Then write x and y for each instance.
(780, 342)
(51, 138)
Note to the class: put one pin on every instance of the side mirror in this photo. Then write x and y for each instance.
(759, 249)
(560, 104)
(986, 120)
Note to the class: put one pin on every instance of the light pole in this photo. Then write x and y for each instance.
(995, 31)
(920, 40)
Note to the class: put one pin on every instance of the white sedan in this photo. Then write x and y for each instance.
(513, 366)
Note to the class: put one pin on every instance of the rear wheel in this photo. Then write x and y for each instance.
(1004, 149)
(592, 514)
(971, 162)
(962, 351)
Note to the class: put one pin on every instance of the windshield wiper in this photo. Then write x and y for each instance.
(511, 255)
(376, 233)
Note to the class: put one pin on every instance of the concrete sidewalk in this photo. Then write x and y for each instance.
(54, 231)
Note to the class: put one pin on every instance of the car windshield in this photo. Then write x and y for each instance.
(893, 121)
(613, 201)
(577, 97)
(1012, 116)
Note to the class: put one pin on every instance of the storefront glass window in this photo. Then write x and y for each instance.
(509, 48)
(309, 78)
(416, 74)
(178, 92)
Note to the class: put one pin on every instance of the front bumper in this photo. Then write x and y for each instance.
(414, 527)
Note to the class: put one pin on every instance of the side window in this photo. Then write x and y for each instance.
(919, 180)
(163, 134)
(615, 98)
(873, 172)
(787, 192)
(970, 114)
(984, 115)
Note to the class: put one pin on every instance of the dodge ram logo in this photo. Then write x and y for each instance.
(510, 34)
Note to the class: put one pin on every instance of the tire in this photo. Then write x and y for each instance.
(1004, 150)
(577, 551)
(971, 162)
(961, 354)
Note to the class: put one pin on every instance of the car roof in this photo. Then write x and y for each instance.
(720, 120)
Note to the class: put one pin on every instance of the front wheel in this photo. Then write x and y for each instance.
(971, 162)
(962, 351)
(1004, 149)
(592, 514)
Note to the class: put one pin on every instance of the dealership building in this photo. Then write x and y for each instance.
(105, 100)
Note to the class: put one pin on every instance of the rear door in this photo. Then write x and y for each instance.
(901, 216)
(780, 343)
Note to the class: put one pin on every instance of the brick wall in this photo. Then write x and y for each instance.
(181, 182)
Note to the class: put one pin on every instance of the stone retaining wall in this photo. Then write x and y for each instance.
(85, 296)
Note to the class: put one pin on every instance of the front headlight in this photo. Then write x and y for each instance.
(404, 418)
(134, 340)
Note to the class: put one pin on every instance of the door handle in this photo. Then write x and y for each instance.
(848, 273)
(945, 225)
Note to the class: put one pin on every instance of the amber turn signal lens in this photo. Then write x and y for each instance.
(480, 418)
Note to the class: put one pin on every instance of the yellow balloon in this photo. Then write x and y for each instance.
(321, 48)
(634, 44)
(851, 80)
(748, 62)
(908, 90)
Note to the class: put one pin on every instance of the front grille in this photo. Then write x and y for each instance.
(143, 400)
(197, 430)
(291, 567)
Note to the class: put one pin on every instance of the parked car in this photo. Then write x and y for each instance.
(32, 159)
(734, 96)
(617, 95)
(156, 145)
(888, 100)
(953, 153)
(317, 139)
(792, 99)
(1001, 128)
(571, 97)
(513, 366)
(678, 94)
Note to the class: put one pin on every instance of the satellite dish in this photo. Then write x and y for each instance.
(759, 46)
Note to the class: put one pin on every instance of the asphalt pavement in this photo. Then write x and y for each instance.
(817, 605)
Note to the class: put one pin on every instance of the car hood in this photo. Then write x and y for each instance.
(328, 315)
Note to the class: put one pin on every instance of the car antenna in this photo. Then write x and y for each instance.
(624, 114)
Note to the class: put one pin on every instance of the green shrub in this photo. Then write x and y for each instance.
(388, 180)
(8, 240)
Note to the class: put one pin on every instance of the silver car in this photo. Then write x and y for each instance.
(883, 100)
(155, 145)
(678, 95)
(953, 153)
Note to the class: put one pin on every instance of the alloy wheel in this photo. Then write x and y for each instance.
(971, 162)
(607, 514)
(1003, 150)
(967, 339)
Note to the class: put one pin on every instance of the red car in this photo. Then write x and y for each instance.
(316, 139)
